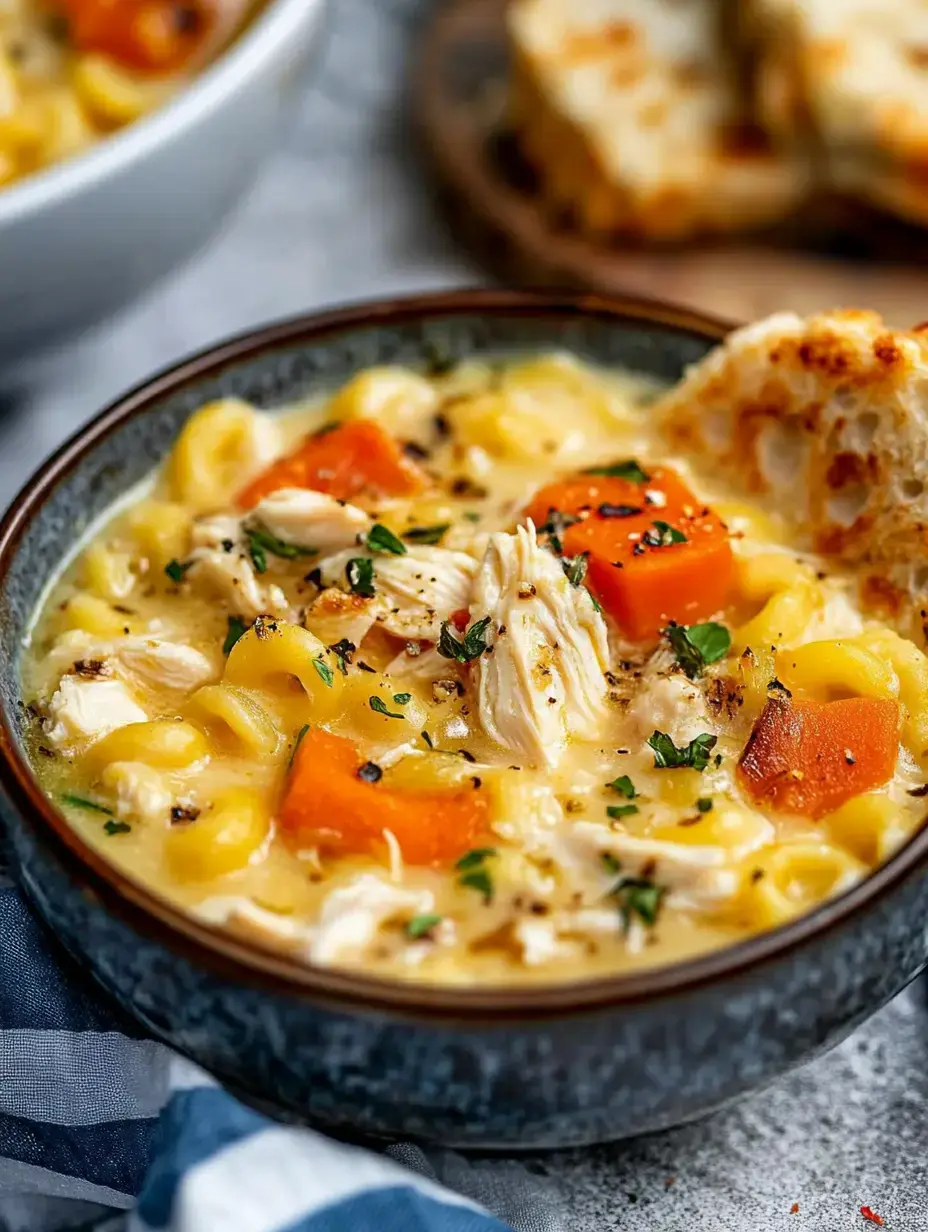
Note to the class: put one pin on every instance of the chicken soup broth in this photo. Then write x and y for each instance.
(466, 678)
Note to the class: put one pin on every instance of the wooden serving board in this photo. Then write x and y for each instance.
(843, 256)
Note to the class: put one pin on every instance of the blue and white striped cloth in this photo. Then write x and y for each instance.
(103, 1129)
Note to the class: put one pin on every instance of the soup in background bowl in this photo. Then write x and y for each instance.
(73, 71)
(439, 727)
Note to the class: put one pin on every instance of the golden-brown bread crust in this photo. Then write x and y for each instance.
(824, 419)
(630, 110)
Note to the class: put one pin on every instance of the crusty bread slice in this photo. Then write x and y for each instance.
(851, 80)
(825, 420)
(630, 112)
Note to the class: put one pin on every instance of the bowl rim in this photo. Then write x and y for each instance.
(246, 57)
(236, 958)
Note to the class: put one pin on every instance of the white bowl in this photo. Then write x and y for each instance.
(84, 237)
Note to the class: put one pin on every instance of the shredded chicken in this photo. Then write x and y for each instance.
(152, 661)
(699, 877)
(311, 520)
(415, 593)
(84, 708)
(140, 792)
(669, 703)
(543, 679)
(220, 562)
(336, 615)
(247, 918)
(353, 914)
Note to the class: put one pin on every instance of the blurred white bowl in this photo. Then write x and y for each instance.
(86, 236)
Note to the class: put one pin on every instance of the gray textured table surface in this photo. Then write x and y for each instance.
(339, 215)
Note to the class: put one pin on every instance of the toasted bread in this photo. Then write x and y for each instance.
(630, 112)
(848, 81)
(825, 419)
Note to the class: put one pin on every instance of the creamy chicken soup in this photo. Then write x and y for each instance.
(464, 677)
(72, 71)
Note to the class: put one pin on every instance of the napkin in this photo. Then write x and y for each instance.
(104, 1129)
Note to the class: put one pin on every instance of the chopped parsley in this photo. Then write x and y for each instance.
(668, 757)
(629, 469)
(380, 539)
(637, 896)
(260, 542)
(696, 646)
(704, 804)
(379, 705)
(237, 629)
(470, 647)
(426, 534)
(575, 567)
(555, 526)
(175, 570)
(402, 698)
(82, 802)
(343, 650)
(296, 744)
(662, 535)
(421, 926)
(323, 671)
(360, 574)
(596, 604)
(474, 858)
(616, 811)
(473, 871)
(112, 827)
(471, 515)
(624, 786)
(427, 738)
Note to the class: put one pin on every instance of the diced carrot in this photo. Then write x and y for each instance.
(151, 35)
(641, 578)
(461, 618)
(810, 757)
(327, 805)
(351, 458)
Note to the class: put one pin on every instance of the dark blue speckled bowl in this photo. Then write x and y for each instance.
(542, 1067)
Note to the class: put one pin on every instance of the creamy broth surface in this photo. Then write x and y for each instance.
(399, 725)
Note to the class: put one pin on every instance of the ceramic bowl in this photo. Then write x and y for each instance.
(546, 1066)
(88, 235)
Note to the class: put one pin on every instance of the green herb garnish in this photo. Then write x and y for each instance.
(474, 858)
(402, 698)
(696, 646)
(175, 570)
(296, 744)
(81, 802)
(668, 757)
(704, 804)
(620, 810)
(360, 574)
(260, 542)
(555, 526)
(421, 925)
(378, 704)
(638, 896)
(237, 628)
(427, 738)
(380, 539)
(596, 604)
(629, 469)
(112, 827)
(343, 650)
(624, 786)
(471, 515)
(470, 647)
(426, 534)
(323, 671)
(662, 535)
(480, 880)
(575, 567)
